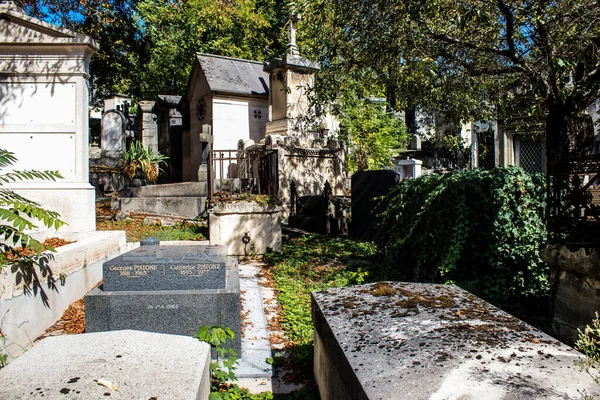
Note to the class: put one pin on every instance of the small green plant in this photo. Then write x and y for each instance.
(140, 157)
(266, 200)
(223, 369)
(588, 342)
(3, 356)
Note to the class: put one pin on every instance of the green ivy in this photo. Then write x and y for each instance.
(221, 370)
(482, 229)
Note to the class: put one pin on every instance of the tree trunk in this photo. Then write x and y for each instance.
(557, 135)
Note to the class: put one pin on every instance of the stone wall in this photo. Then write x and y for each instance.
(25, 317)
(230, 222)
(575, 282)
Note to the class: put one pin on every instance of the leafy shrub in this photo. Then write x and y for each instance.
(482, 229)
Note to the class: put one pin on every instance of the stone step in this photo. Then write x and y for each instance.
(392, 340)
(182, 189)
(182, 207)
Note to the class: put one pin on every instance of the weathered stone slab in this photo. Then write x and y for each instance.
(179, 312)
(149, 268)
(140, 365)
(425, 341)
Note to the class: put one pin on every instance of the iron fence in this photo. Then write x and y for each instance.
(574, 201)
(235, 174)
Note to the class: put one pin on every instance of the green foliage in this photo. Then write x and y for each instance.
(143, 158)
(483, 229)
(305, 264)
(218, 337)
(136, 230)
(3, 356)
(588, 342)
(370, 132)
(462, 57)
(17, 215)
(311, 263)
(147, 46)
(175, 31)
(112, 24)
(234, 392)
(223, 370)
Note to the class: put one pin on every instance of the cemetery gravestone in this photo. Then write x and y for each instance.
(366, 186)
(138, 365)
(165, 268)
(167, 289)
(113, 132)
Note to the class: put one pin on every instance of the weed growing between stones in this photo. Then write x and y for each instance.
(588, 342)
(222, 370)
(3, 355)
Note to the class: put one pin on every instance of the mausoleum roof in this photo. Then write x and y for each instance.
(19, 28)
(234, 75)
(169, 99)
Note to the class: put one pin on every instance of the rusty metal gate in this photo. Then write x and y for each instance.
(268, 182)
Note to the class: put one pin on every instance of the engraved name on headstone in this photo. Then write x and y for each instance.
(165, 268)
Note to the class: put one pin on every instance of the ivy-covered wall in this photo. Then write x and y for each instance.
(482, 229)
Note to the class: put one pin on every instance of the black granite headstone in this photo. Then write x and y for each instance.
(167, 289)
(154, 267)
(366, 186)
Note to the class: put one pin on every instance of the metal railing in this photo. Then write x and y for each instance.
(574, 201)
(233, 174)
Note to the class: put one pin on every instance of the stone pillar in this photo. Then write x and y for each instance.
(290, 78)
(44, 118)
(206, 139)
(148, 125)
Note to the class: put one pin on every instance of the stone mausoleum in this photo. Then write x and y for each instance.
(44, 98)
(248, 127)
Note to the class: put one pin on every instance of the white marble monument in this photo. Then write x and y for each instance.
(44, 96)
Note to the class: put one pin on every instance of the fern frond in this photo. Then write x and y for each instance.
(7, 158)
(10, 235)
(28, 175)
(8, 196)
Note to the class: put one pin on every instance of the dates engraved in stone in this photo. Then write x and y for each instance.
(165, 268)
(195, 270)
(138, 271)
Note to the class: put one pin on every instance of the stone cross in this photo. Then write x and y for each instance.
(292, 49)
